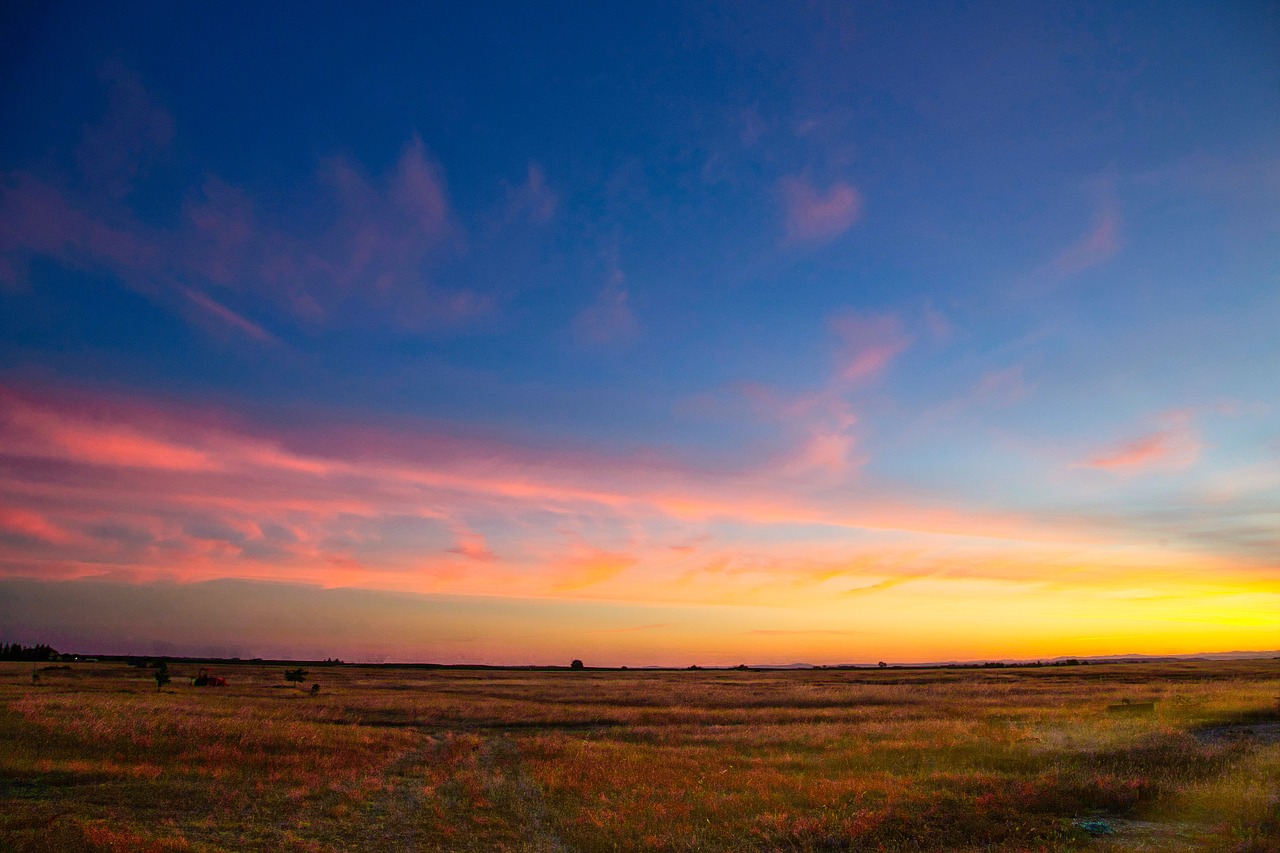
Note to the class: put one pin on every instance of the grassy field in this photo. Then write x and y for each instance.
(94, 758)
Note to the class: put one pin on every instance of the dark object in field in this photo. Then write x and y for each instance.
(204, 679)
(315, 690)
(577, 664)
(161, 675)
(1127, 707)
(297, 676)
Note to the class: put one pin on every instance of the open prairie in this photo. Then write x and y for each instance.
(383, 758)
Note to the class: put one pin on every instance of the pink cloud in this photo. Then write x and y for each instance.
(230, 318)
(38, 219)
(869, 344)
(366, 255)
(1096, 247)
(534, 199)
(140, 490)
(38, 429)
(473, 547)
(828, 451)
(821, 422)
(224, 230)
(33, 525)
(418, 188)
(114, 152)
(815, 216)
(1002, 387)
(1174, 447)
(608, 320)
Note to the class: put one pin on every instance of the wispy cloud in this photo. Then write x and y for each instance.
(533, 199)
(1174, 446)
(817, 216)
(1097, 246)
(229, 317)
(802, 632)
(114, 151)
(657, 626)
(609, 320)
(350, 249)
(586, 566)
(37, 218)
(142, 490)
(869, 343)
(473, 546)
(821, 422)
(1002, 387)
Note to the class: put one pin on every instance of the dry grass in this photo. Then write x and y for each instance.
(402, 759)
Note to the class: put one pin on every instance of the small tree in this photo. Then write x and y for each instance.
(297, 676)
(162, 675)
(577, 664)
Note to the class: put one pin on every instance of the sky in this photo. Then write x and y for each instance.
(658, 333)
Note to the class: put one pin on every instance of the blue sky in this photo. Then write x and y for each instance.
(650, 306)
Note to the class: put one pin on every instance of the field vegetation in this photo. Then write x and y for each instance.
(381, 759)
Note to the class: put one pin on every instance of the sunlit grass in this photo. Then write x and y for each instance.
(396, 759)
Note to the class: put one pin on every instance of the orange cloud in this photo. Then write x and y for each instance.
(589, 567)
(654, 627)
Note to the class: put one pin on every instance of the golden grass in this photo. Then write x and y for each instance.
(402, 759)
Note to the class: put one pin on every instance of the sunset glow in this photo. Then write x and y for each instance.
(756, 333)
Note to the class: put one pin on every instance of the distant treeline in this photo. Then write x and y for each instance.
(17, 651)
(1068, 662)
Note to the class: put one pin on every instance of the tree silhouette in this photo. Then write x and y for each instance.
(162, 675)
(577, 664)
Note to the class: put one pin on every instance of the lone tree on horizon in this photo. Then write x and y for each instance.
(577, 664)
(162, 675)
